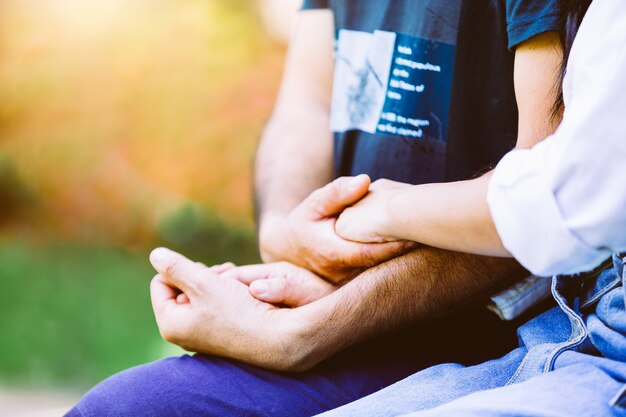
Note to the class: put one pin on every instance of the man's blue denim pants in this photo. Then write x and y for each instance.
(571, 362)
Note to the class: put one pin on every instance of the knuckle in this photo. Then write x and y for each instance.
(282, 269)
(318, 194)
(282, 265)
(342, 184)
(336, 186)
(283, 285)
(173, 268)
(197, 288)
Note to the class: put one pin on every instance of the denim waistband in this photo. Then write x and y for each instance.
(601, 281)
(575, 296)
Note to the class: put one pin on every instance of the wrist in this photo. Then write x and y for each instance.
(325, 328)
(292, 346)
(310, 336)
(389, 220)
(270, 230)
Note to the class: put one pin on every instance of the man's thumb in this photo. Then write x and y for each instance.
(334, 197)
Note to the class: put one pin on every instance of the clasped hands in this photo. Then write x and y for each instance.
(272, 314)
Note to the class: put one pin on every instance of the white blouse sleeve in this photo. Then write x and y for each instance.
(560, 207)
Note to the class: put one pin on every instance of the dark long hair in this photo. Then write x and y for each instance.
(571, 16)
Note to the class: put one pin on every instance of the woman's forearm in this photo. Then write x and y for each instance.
(452, 216)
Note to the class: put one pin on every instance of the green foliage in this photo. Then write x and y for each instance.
(14, 194)
(73, 314)
(203, 236)
(100, 151)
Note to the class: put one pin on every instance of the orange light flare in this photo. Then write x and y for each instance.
(117, 111)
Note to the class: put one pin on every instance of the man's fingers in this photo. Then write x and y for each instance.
(220, 269)
(178, 270)
(170, 314)
(294, 293)
(249, 273)
(161, 294)
(281, 283)
(272, 290)
(333, 198)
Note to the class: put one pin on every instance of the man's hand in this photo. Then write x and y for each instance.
(219, 316)
(217, 269)
(366, 221)
(306, 237)
(281, 283)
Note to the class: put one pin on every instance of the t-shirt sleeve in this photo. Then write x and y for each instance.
(314, 4)
(528, 18)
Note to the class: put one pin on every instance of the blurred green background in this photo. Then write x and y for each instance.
(124, 125)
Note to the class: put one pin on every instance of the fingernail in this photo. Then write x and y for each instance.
(260, 288)
(159, 255)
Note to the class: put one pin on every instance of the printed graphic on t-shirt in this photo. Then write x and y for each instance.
(393, 84)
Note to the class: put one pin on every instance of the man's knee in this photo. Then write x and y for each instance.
(163, 388)
(207, 386)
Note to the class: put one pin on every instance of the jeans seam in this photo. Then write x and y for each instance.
(614, 401)
(515, 301)
(520, 368)
(570, 343)
(613, 284)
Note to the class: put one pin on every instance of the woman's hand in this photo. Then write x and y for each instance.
(307, 238)
(368, 220)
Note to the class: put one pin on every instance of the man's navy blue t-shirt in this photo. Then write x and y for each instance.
(423, 89)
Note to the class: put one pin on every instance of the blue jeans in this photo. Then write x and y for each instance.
(571, 362)
(208, 386)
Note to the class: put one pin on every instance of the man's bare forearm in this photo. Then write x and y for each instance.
(295, 153)
(287, 171)
(295, 213)
(293, 159)
(420, 285)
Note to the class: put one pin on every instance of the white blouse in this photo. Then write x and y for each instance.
(560, 207)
